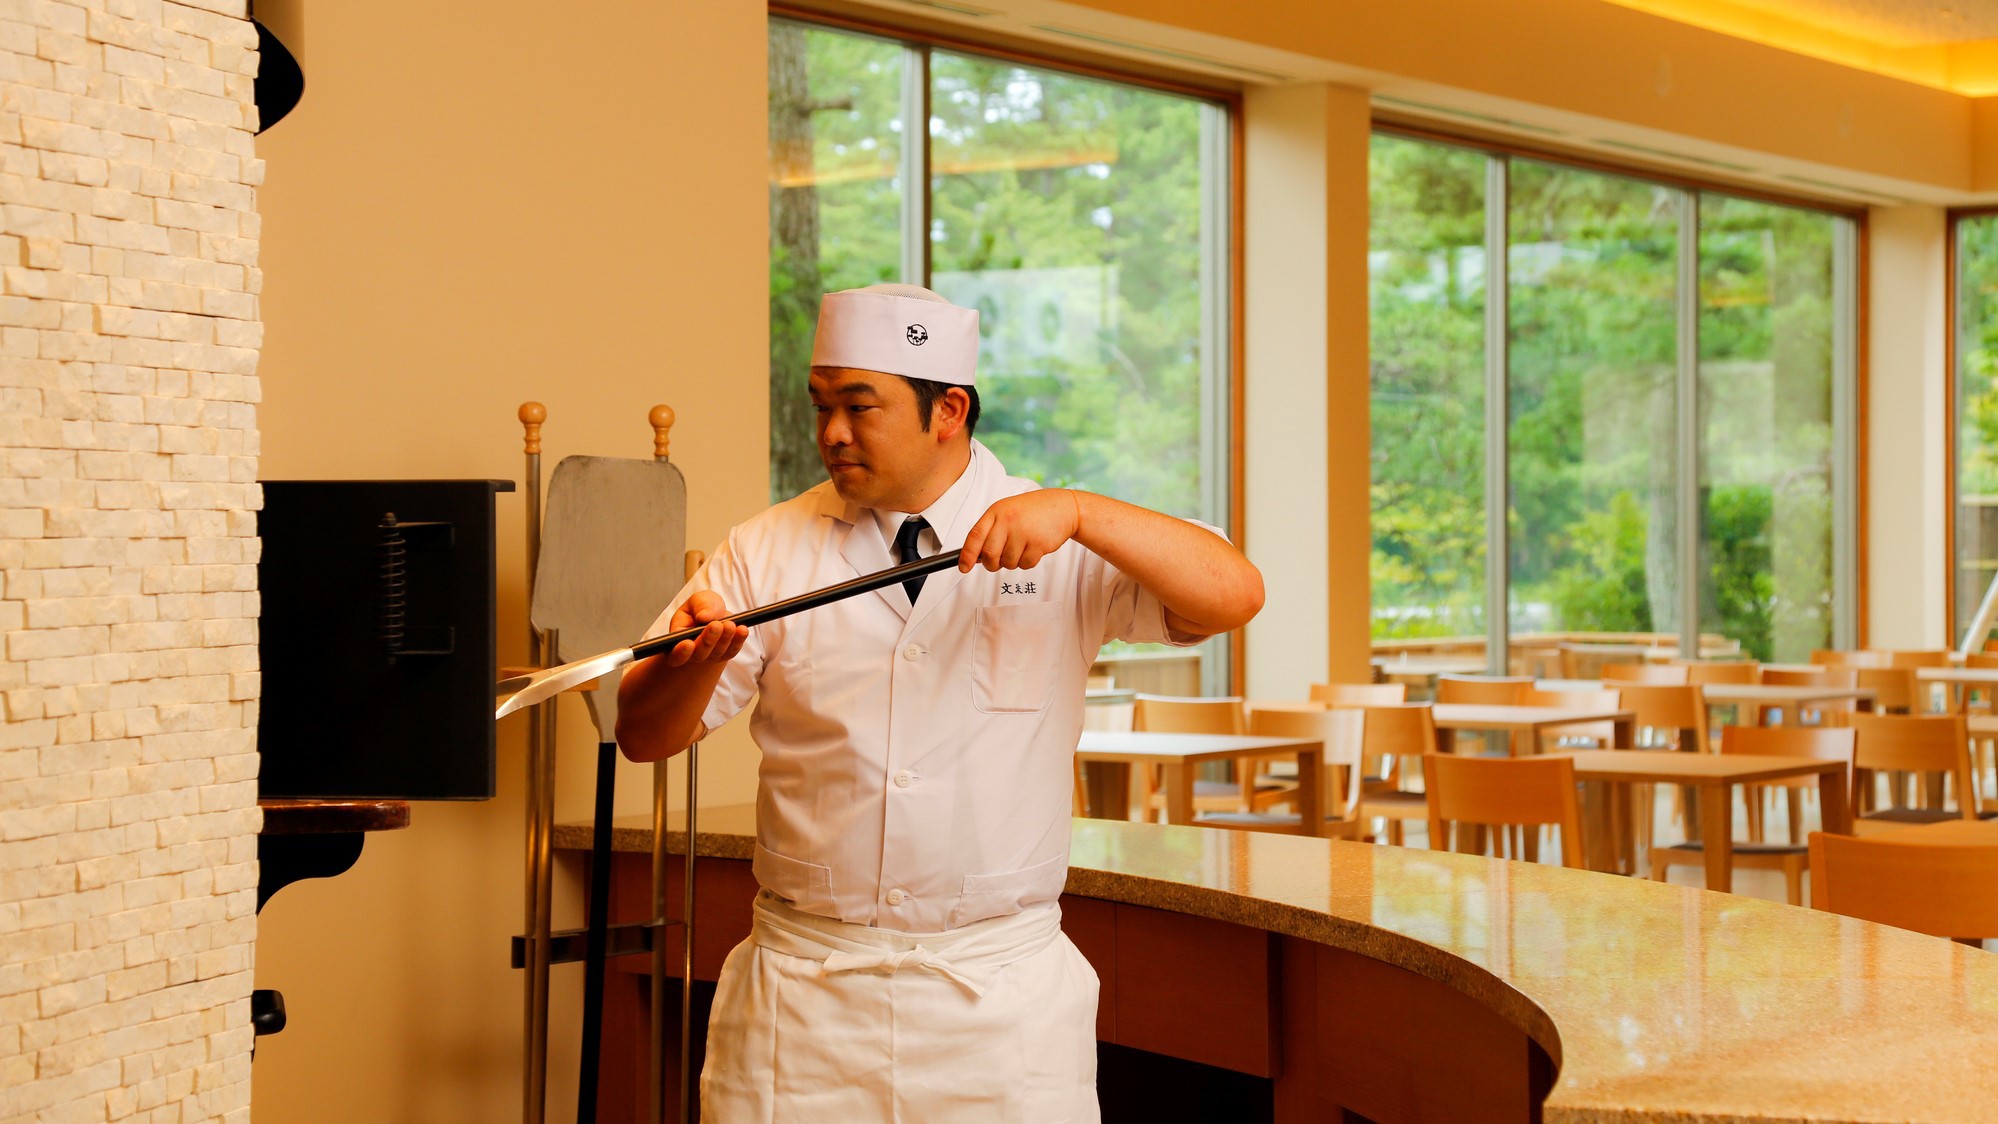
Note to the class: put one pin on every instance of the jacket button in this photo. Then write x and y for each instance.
(912, 652)
(897, 897)
(904, 779)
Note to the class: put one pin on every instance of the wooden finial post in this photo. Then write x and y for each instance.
(661, 418)
(532, 414)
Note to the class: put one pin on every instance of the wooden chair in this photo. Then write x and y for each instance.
(1836, 675)
(1359, 694)
(1895, 689)
(1523, 792)
(1680, 714)
(1680, 711)
(1977, 700)
(1928, 745)
(1598, 735)
(1657, 674)
(1178, 715)
(1912, 660)
(1820, 742)
(1587, 661)
(1482, 690)
(1939, 889)
(1833, 657)
(1391, 736)
(1844, 675)
(1724, 671)
(1343, 769)
(1173, 714)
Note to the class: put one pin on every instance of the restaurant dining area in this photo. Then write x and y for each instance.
(999, 560)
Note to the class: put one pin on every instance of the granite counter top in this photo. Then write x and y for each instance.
(1656, 1002)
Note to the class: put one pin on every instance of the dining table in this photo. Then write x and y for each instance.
(1741, 697)
(1179, 756)
(1520, 723)
(1497, 717)
(1959, 680)
(1712, 777)
(1523, 725)
(1422, 671)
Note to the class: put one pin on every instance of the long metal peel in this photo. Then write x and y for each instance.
(527, 690)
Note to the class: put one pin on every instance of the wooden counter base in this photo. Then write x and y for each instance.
(1391, 983)
(1339, 1034)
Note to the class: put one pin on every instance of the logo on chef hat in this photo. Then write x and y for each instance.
(918, 334)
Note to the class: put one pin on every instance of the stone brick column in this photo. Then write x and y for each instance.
(129, 334)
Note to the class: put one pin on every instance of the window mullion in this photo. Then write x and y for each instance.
(1498, 625)
(1688, 391)
(1845, 442)
(1216, 352)
(916, 165)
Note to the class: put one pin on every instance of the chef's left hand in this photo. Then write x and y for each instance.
(1018, 531)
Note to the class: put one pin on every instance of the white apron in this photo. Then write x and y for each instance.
(820, 1020)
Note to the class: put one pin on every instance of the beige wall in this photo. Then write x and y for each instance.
(128, 458)
(469, 210)
(1906, 419)
(1305, 388)
(1284, 300)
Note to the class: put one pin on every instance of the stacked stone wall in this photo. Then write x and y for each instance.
(129, 335)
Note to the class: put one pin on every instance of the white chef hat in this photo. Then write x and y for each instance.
(898, 330)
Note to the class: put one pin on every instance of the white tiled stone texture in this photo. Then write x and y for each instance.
(129, 333)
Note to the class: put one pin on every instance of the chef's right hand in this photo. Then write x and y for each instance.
(718, 643)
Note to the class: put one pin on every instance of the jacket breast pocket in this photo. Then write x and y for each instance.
(1016, 656)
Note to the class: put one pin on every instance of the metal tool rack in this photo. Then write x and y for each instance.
(541, 946)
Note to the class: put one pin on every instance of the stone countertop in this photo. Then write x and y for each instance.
(1656, 1002)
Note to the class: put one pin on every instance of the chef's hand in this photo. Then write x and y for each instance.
(1018, 531)
(718, 643)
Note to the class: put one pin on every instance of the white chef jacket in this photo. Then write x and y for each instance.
(917, 762)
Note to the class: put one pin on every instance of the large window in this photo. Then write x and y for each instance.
(1976, 414)
(1085, 219)
(1672, 427)
(1427, 338)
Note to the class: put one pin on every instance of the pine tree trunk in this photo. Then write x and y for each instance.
(795, 286)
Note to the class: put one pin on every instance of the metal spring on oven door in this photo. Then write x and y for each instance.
(393, 568)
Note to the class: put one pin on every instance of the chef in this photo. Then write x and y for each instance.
(907, 960)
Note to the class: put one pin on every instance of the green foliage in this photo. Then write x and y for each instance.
(1606, 586)
(1426, 213)
(1977, 349)
(1067, 209)
(1977, 410)
(835, 206)
(1744, 582)
(1079, 203)
(1592, 404)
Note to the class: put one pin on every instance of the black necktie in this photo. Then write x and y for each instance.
(907, 551)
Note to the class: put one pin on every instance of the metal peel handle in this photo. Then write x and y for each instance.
(549, 682)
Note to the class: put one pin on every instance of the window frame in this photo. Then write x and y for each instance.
(1952, 414)
(1849, 373)
(1228, 158)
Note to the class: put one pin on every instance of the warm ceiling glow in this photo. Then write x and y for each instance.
(1964, 67)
